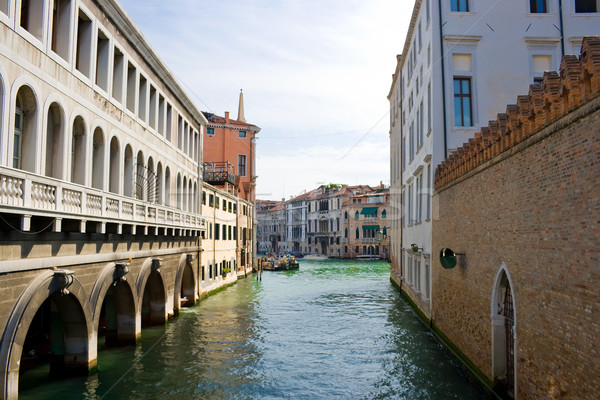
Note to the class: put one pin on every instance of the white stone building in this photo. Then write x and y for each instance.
(462, 62)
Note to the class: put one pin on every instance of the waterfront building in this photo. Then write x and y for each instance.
(462, 61)
(271, 226)
(517, 296)
(366, 223)
(101, 224)
(323, 222)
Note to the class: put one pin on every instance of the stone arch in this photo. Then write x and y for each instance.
(186, 291)
(168, 189)
(151, 185)
(504, 332)
(75, 313)
(160, 181)
(178, 193)
(152, 293)
(3, 133)
(114, 166)
(55, 138)
(112, 283)
(98, 158)
(25, 129)
(140, 177)
(78, 146)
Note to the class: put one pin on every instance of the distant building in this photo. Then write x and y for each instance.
(462, 61)
(318, 222)
(230, 153)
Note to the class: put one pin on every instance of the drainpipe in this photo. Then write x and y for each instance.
(562, 34)
(443, 79)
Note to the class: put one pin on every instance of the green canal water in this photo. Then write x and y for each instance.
(331, 330)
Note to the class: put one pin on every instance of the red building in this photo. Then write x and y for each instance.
(229, 153)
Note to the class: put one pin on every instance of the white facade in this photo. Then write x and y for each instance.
(91, 128)
(461, 65)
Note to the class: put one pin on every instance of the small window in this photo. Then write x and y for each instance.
(356, 215)
(459, 5)
(242, 165)
(462, 102)
(538, 6)
(210, 131)
(242, 134)
(586, 6)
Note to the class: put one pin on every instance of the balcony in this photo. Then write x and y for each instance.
(219, 173)
(29, 195)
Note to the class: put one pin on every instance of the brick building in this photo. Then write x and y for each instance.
(519, 205)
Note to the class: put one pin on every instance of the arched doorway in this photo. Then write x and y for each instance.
(504, 333)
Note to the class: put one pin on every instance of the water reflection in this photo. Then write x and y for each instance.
(330, 330)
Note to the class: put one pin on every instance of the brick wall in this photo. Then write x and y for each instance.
(525, 193)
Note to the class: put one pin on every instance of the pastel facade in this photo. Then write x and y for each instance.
(462, 61)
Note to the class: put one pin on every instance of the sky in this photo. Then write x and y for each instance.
(315, 76)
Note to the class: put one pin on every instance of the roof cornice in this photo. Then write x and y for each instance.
(131, 33)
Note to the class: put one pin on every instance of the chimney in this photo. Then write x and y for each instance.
(226, 117)
(241, 116)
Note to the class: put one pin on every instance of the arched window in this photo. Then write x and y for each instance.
(346, 233)
(383, 214)
(128, 169)
(357, 233)
(141, 189)
(114, 172)
(54, 142)
(151, 185)
(98, 159)
(78, 159)
(345, 214)
(24, 138)
(503, 330)
(184, 195)
(178, 192)
(356, 215)
(168, 199)
(160, 181)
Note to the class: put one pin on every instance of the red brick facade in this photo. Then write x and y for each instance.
(522, 201)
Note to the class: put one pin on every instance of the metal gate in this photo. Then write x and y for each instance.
(509, 330)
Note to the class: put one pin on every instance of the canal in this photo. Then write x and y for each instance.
(331, 330)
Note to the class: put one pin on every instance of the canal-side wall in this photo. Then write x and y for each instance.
(519, 206)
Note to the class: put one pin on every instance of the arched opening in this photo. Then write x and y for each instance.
(78, 166)
(178, 192)
(116, 326)
(190, 196)
(184, 195)
(56, 343)
(128, 172)
(98, 159)
(54, 142)
(195, 200)
(168, 199)
(160, 181)
(153, 301)
(114, 172)
(140, 177)
(25, 127)
(504, 334)
(188, 287)
(152, 197)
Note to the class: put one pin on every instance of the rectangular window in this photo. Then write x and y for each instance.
(61, 23)
(429, 121)
(429, 190)
(217, 231)
(169, 122)
(211, 201)
(118, 71)
(242, 134)
(462, 102)
(84, 44)
(586, 6)
(102, 60)
(428, 12)
(203, 198)
(142, 98)
(459, 5)
(538, 6)
(210, 131)
(131, 83)
(224, 232)
(152, 109)
(242, 165)
(32, 12)
(161, 115)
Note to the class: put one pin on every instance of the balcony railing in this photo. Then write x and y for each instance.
(34, 195)
(219, 173)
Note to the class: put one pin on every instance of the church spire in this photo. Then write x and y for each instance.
(241, 117)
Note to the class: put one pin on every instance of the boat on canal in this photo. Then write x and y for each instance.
(274, 263)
